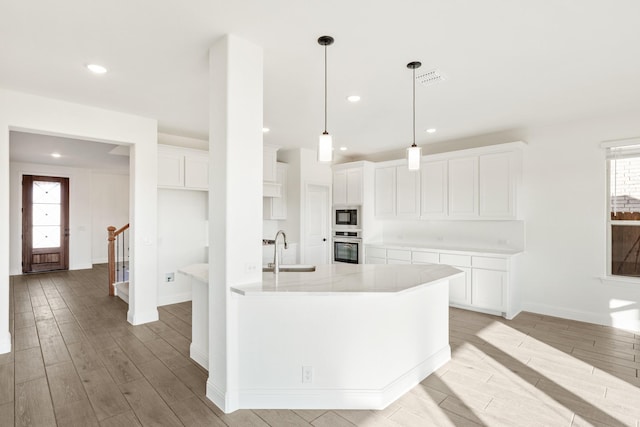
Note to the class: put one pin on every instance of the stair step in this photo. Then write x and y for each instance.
(122, 291)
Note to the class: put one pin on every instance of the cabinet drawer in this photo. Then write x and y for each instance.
(490, 263)
(376, 252)
(451, 259)
(398, 261)
(425, 257)
(374, 260)
(399, 254)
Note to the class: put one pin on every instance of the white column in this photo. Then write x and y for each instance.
(235, 201)
(143, 246)
(5, 335)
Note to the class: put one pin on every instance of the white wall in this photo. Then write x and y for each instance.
(37, 114)
(565, 212)
(181, 240)
(109, 206)
(471, 234)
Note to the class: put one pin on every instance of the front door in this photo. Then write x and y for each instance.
(45, 223)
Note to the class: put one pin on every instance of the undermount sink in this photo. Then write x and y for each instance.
(288, 268)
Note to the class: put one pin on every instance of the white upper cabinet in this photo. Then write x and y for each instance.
(276, 207)
(170, 168)
(269, 160)
(497, 186)
(354, 186)
(183, 168)
(340, 187)
(385, 192)
(479, 183)
(347, 186)
(196, 171)
(463, 187)
(407, 193)
(434, 191)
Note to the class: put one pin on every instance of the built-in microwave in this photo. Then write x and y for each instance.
(348, 217)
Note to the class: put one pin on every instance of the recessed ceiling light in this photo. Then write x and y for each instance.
(432, 130)
(343, 148)
(353, 98)
(97, 69)
(56, 155)
(265, 130)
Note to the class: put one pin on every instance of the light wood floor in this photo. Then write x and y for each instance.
(77, 362)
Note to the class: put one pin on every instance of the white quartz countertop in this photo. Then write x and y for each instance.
(447, 248)
(332, 279)
(197, 271)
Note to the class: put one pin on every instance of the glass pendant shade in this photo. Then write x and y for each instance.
(325, 148)
(414, 154)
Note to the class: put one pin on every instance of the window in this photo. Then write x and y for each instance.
(623, 229)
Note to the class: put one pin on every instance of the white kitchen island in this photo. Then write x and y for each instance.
(343, 337)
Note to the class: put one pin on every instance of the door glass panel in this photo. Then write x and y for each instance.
(46, 214)
(46, 236)
(46, 192)
(46, 210)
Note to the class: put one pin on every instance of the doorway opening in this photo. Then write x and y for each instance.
(45, 223)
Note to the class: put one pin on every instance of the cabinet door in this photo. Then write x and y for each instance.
(269, 159)
(170, 169)
(354, 186)
(196, 172)
(374, 260)
(487, 289)
(496, 186)
(460, 288)
(407, 193)
(463, 187)
(276, 207)
(340, 187)
(434, 189)
(385, 192)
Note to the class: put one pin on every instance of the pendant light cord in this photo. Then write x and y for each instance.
(325, 88)
(414, 107)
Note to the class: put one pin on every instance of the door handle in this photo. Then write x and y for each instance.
(324, 239)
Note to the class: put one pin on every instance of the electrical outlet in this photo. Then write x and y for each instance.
(250, 267)
(170, 277)
(307, 374)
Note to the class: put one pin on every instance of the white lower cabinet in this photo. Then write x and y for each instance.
(488, 289)
(460, 288)
(485, 286)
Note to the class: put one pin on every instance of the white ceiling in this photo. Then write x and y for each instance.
(33, 148)
(510, 64)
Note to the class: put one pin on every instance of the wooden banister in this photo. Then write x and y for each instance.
(113, 233)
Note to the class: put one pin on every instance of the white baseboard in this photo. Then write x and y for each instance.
(174, 298)
(83, 266)
(100, 261)
(219, 398)
(141, 318)
(200, 356)
(581, 316)
(310, 398)
(5, 343)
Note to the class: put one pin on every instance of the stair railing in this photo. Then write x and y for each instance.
(118, 243)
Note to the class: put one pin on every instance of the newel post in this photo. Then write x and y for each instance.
(112, 259)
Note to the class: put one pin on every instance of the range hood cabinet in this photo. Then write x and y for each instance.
(271, 189)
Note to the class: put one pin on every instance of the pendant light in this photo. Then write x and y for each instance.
(414, 153)
(325, 144)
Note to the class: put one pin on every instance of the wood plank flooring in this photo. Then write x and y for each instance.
(77, 362)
